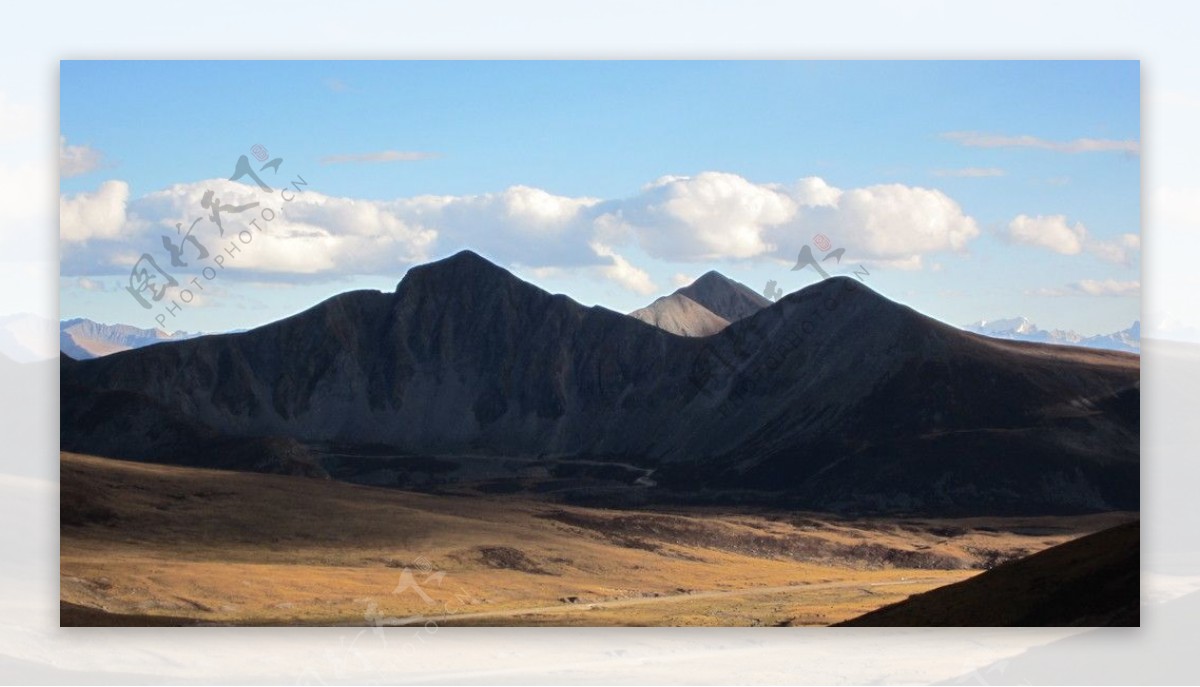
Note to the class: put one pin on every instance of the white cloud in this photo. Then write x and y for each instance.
(712, 216)
(970, 172)
(893, 223)
(320, 235)
(724, 216)
(816, 192)
(76, 161)
(97, 215)
(1120, 250)
(310, 235)
(1048, 231)
(623, 273)
(680, 280)
(380, 156)
(89, 284)
(1093, 287)
(1055, 233)
(975, 139)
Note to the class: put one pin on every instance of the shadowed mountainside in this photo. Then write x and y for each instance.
(1091, 581)
(833, 398)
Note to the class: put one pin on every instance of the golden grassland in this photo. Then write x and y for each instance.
(150, 544)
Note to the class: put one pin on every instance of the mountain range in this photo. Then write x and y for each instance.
(82, 338)
(833, 398)
(709, 304)
(1021, 329)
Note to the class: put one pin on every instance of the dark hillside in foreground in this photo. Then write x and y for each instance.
(1091, 581)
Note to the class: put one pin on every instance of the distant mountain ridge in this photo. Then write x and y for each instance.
(833, 398)
(1021, 329)
(681, 315)
(704, 307)
(83, 339)
(728, 299)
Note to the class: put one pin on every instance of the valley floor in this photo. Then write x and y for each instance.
(148, 544)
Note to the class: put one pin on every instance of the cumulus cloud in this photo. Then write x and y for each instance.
(1048, 231)
(380, 156)
(707, 217)
(1094, 287)
(970, 172)
(96, 215)
(680, 280)
(893, 223)
(623, 273)
(1120, 250)
(815, 192)
(724, 216)
(76, 161)
(318, 235)
(89, 284)
(710, 216)
(976, 139)
(1055, 233)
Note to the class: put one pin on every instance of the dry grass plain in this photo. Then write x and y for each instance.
(149, 544)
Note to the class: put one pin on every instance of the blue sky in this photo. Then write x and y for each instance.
(630, 177)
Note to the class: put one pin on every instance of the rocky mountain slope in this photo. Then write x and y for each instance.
(702, 308)
(728, 299)
(681, 315)
(833, 398)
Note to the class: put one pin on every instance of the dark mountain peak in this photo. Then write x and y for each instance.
(832, 286)
(465, 256)
(465, 269)
(839, 286)
(456, 266)
(729, 299)
(712, 275)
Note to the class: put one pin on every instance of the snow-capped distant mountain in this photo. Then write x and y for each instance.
(1021, 329)
(1125, 340)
